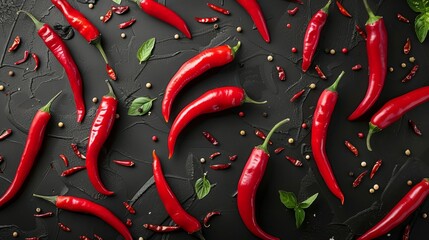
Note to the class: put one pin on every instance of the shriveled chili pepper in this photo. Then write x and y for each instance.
(208, 217)
(129, 208)
(233, 157)
(248, 184)
(213, 155)
(375, 168)
(400, 212)
(32, 238)
(160, 228)
(127, 23)
(24, 59)
(297, 95)
(218, 9)
(194, 67)
(88, 31)
(81, 205)
(84, 238)
(43, 215)
(342, 9)
(77, 151)
(406, 234)
(210, 138)
(125, 163)
(107, 16)
(214, 100)
(129, 222)
(376, 46)
(357, 67)
(281, 72)
(64, 227)
(292, 11)
(120, 9)
(15, 44)
(261, 135)
(206, 19)
(322, 116)
(100, 130)
(32, 146)
(110, 72)
(352, 148)
(359, 178)
(414, 127)
(407, 46)
(36, 61)
(411, 74)
(402, 18)
(312, 35)
(65, 159)
(278, 150)
(320, 72)
(97, 237)
(189, 223)
(61, 52)
(254, 10)
(394, 109)
(294, 161)
(72, 170)
(220, 166)
(361, 32)
(5, 133)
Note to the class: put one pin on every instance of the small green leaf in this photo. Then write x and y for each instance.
(420, 6)
(299, 216)
(307, 203)
(140, 106)
(288, 199)
(145, 50)
(202, 187)
(117, 1)
(422, 26)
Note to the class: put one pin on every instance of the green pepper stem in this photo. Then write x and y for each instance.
(372, 129)
(47, 107)
(247, 99)
(326, 7)
(264, 145)
(334, 86)
(372, 18)
(111, 93)
(235, 48)
(52, 199)
(97, 44)
(36, 22)
(199, 235)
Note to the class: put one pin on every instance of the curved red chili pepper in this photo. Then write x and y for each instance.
(254, 10)
(72, 170)
(248, 185)
(209, 216)
(312, 35)
(32, 147)
(342, 9)
(218, 9)
(376, 47)
(15, 44)
(194, 67)
(81, 205)
(394, 109)
(23, 59)
(215, 100)
(206, 19)
(100, 130)
(189, 223)
(322, 116)
(36, 61)
(401, 211)
(61, 52)
(127, 23)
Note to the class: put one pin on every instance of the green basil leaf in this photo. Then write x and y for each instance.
(299, 216)
(420, 6)
(140, 106)
(307, 203)
(145, 50)
(202, 187)
(117, 1)
(421, 26)
(288, 199)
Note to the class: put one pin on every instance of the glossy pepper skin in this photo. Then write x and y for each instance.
(100, 130)
(312, 35)
(248, 184)
(194, 67)
(61, 52)
(173, 207)
(33, 144)
(254, 10)
(81, 205)
(376, 47)
(394, 109)
(322, 116)
(400, 212)
(214, 100)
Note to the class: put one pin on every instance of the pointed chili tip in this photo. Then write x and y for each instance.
(341, 197)
(52, 199)
(80, 115)
(36, 22)
(334, 86)
(47, 107)
(111, 93)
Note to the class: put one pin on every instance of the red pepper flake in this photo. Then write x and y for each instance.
(361, 32)
(293, 11)
(343, 10)
(414, 127)
(129, 208)
(407, 46)
(15, 44)
(281, 72)
(125, 163)
(352, 148)
(209, 216)
(206, 19)
(411, 74)
(218, 9)
(65, 160)
(294, 161)
(77, 152)
(5, 133)
(127, 23)
(111, 72)
(361, 135)
(43, 215)
(359, 178)
(107, 16)
(297, 95)
(72, 170)
(82, 237)
(402, 18)
(32, 238)
(279, 150)
(64, 227)
(36, 61)
(213, 155)
(129, 222)
(320, 72)
(119, 9)
(98, 237)
(375, 168)
(24, 59)
(233, 158)
(406, 234)
(160, 229)
(211, 138)
(357, 67)
(220, 166)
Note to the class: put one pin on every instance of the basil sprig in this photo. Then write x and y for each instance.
(290, 201)
(421, 23)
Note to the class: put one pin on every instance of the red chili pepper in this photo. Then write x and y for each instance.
(281, 72)
(127, 23)
(119, 9)
(194, 67)
(77, 152)
(411, 74)
(81, 205)
(5, 133)
(352, 148)
(357, 67)
(414, 127)
(210, 138)
(32, 147)
(361, 32)
(249, 182)
(213, 155)
(375, 168)
(24, 59)
(15, 44)
(407, 46)
(254, 10)
(208, 217)
(161, 229)
(294, 161)
(342, 9)
(261, 135)
(43, 215)
(402, 18)
(278, 150)
(376, 46)
(395, 109)
(206, 19)
(312, 35)
(129, 208)
(72, 170)
(214, 100)
(297, 95)
(190, 224)
(233, 157)
(110, 72)
(293, 11)
(406, 234)
(218, 9)
(359, 178)
(36, 61)
(320, 72)
(61, 52)
(65, 160)
(125, 163)
(220, 166)
(32, 238)
(400, 212)
(129, 222)
(100, 130)
(322, 116)
(84, 238)
(107, 16)
(64, 227)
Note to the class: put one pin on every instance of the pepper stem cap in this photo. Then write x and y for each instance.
(264, 145)
(326, 7)
(247, 99)
(235, 48)
(111, 93)
(36, 22)
(372, 129)
(333, 87)
(372, 17)
(47, 107)
(52, 199)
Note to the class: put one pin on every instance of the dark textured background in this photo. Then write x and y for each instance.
(131, 137)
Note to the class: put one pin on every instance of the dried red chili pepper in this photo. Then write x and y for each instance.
(194, 67)
(189, 223)
(72, 170)
(81, 205)
(214, 100)
(129, 208)
(322, 116)
(254, 10)
(261, 135)
(120, 9)
(218, 9)
(97, 237)
(342, 9)
(15, 44)
(208, 217)
(220, 166)
(107, 16)
(407, 46)
(5, 133)
(402, 18)
(84, 238)
(36, 61)
(233, 158)
(206, 19)
(76, 151)
(278, 150)
(65, 160)
(33, 144)
(127, 23)
(359, 178)
(312, 35)
(414, 127)
(100, 130)
(210, 138)
(213, 155)
(61, 52)
(376, 47)
(394, 109)
(161, 229)
(293, 11)
(64, 227)
(248, 184)
(129, 222)
(411, 74)
(375, 168)
(406, 234)
(125, 163)
(357, 67)
(320, 72)
(352, 148)
(32, 238)
(24, 59)
(297, 95)
(43, 215)
(361, 32)
(281, 72)
(400, 212)
(294, 161)
(111, 72)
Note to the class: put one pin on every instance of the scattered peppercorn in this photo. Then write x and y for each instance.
(11, 73)
(304, 125)
(94, 99)
(288, 25)
(307, 157)
(408, 152)
(371, 190)
(60, 124)
(391, 69)
(239, 29)
(38, 210)
(403, 65)
(363, 164)
(154, 138)
(412, 59)
(123, 35)
(215, 26)
(202, 160)
(241, 114)
(15, 234)
(409, 182)
(332, 51)
(1, 87)
(148, 85)
(361, 135)
(312, 86)
(91, 6)
(242, 132)
(290, 140)
(376, 187)
(424, 215)
(270, 58)
(176, 36)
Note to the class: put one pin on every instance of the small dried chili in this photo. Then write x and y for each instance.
(125, 163)
(357, 67)
(402, 18)
(119, 9)
(210, 138)
(361, 32)
(218, 9)
(206, 19)
(208, 217)
(342, 9)
(65, 159)
(127, 23)
(406, 234)
(407, 46)
(5, 133)
(414, 127)
(411, 74)
(278, 150)
(15, 44)
(375, 168)
(297, 95)
(320, 72)
(233, 157)
(359, 178)
(129, 222)
(129, 208)
(77, 151)
(293, 11)
(43, 215)
(82, 237)
(72, 170)
(32, 238)
(352, 148)
(107, 16)
(97, 237)
(213, 155)
(36, 61)
(281, 72)
(24, 59)
(261, 135)
(110, 72)
(64, 227)
(295, 162)
(161, 229)
(220, 166)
